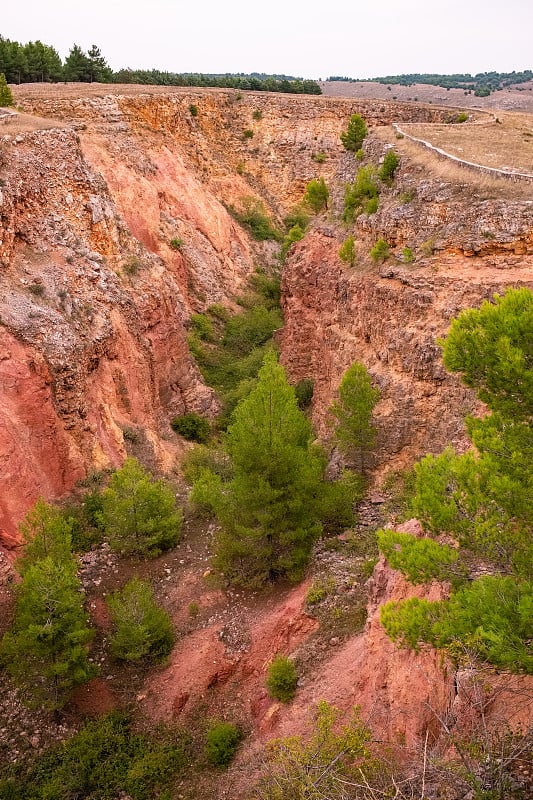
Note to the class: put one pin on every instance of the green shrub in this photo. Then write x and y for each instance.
(254, 217)
(295, 234)
(319, 157)
(406, 197)
(371, 206)
(408, 255)
(304, 391)
(257, 115)
(193, 109)
(248, 133)
(389, 167)
(282, 679)
(319, 589)
(192, 427)
(222, 741)
(462, 117)
(202, 326)
(357, 194)
(132, 265)
(141, 628)
(316, 195)
(380, 252)
(347, 252)
(336, 503)
(354, 136)
(104, 760)
(360, 154)
(176, 243)
(297, 216)
(206, 458)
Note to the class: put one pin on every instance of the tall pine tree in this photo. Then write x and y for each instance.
(268, 511)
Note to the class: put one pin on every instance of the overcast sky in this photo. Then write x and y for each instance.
(357, 38)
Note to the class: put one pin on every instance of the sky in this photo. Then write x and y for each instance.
(354, 38)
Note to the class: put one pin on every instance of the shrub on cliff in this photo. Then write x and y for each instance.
(192, 427)
(389, 167)
(46, 649)
(316, 195)
(139, 513)
(222, 741)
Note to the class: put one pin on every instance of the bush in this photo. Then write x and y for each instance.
(142, 629)
(105, 759)
(206, 458)
(193, 109)
(316, 195)
(371, 206)
(380, 252)
(254, 217)
(248, 134)
(408, 255)
(176, 243)
(202, 327)
(223, 739)
(347, 251)
(319, 157)
(282, 679)
(257, 115)
(294, 235)
(354, 136)
(298, 216)
(388, 168)
(462, 117)
(192, 427)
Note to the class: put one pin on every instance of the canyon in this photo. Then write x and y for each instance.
(116, 226)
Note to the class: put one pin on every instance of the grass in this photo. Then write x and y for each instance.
(478, 143)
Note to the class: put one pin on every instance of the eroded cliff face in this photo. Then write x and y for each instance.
(113, 228)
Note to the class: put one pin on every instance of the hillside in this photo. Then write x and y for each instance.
(117, 224)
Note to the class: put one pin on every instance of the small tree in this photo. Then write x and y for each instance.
(354, 136)
(6, 97)
(355, 432)
(46, 649)
(316, 195)
(141, 627)
(46, 533)
(380, 252)
(347, 251)
(139, 513)
(389, 167)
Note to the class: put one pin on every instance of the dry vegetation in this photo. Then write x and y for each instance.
(484, 185)
(503, 144)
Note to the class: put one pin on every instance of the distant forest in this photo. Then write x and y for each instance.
(36, 62)
(481, 84)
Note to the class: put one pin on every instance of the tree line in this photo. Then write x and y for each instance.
(481, 81)
(36, 62)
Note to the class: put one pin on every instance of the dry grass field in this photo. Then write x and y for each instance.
(504, 144)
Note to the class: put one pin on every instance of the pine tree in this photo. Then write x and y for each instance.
(268, 511)
(139, 513)
(6, 98)
(141, 627)
(355, 432)
(77, 65)
(481, 498)
(354, 136)
(46, 649)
